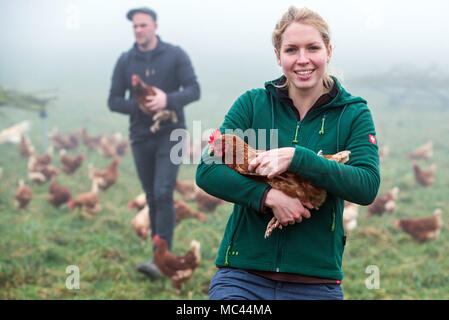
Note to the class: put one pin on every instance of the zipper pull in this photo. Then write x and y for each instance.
(227, 254)
(322, 125)
(333, 221)
(295, 140)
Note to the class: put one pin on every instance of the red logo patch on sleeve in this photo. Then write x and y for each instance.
(372, 139)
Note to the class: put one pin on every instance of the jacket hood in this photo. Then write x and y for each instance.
(341, 99)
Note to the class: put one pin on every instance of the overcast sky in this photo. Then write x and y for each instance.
(80, 41)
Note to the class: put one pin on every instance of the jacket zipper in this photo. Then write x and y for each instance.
(228, 249)
(279, 248)
(321, 132)
(333, 219)
(227, 253)
(298, 125)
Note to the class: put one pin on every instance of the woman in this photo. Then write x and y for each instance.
(311, 111)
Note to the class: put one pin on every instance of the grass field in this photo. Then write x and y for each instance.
(38, 245)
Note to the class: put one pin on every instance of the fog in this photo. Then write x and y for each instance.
(75, 44)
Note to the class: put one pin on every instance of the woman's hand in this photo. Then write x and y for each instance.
(286, 209)
(272, 162)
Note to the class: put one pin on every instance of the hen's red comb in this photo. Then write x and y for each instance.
(214, 136)
(156, 239)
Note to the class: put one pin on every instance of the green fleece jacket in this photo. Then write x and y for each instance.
(315, 246)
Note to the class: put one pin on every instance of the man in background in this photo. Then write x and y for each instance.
(169, 69)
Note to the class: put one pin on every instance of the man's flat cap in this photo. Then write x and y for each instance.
(149, 11)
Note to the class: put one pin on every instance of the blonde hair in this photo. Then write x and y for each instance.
(305, 16)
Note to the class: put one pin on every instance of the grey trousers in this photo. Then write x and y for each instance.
(157, 176)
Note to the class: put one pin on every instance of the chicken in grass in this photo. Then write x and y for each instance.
(422, 229)
(178, 268)
(26, 149)
(187, 189)
(383, 203)
(141, 91)
(141, 222)
(108, 145)
(23, 195)
(350, 214)
(58, 194)
(237, 154)
(424, 177)
(138, 202)
(105, 178)
(43, 159)
(183, 211)
(90, 142)
(13, 134)
(383, 153)
(70, 164)
(205, 201)
(40, 169)
(423, 152)
(87, 202)
(122, 147)
(59, 141)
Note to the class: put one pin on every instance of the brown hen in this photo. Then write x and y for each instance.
(183, 211)
(70, 164)
(87, 202)
(58, 194)
(424, 177)
(423, 152)
(141, 222)
(422, 229)
(141, 91)
(177, 268)
(384, 203)
(23, 196)
(105, 177)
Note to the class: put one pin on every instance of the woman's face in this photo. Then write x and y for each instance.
(303, 56)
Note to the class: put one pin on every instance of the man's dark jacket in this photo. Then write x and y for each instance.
(166, 67)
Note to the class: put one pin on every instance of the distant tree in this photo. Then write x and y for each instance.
(406, 82)
(25, 101)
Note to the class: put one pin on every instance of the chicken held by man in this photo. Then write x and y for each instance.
(141, 91)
